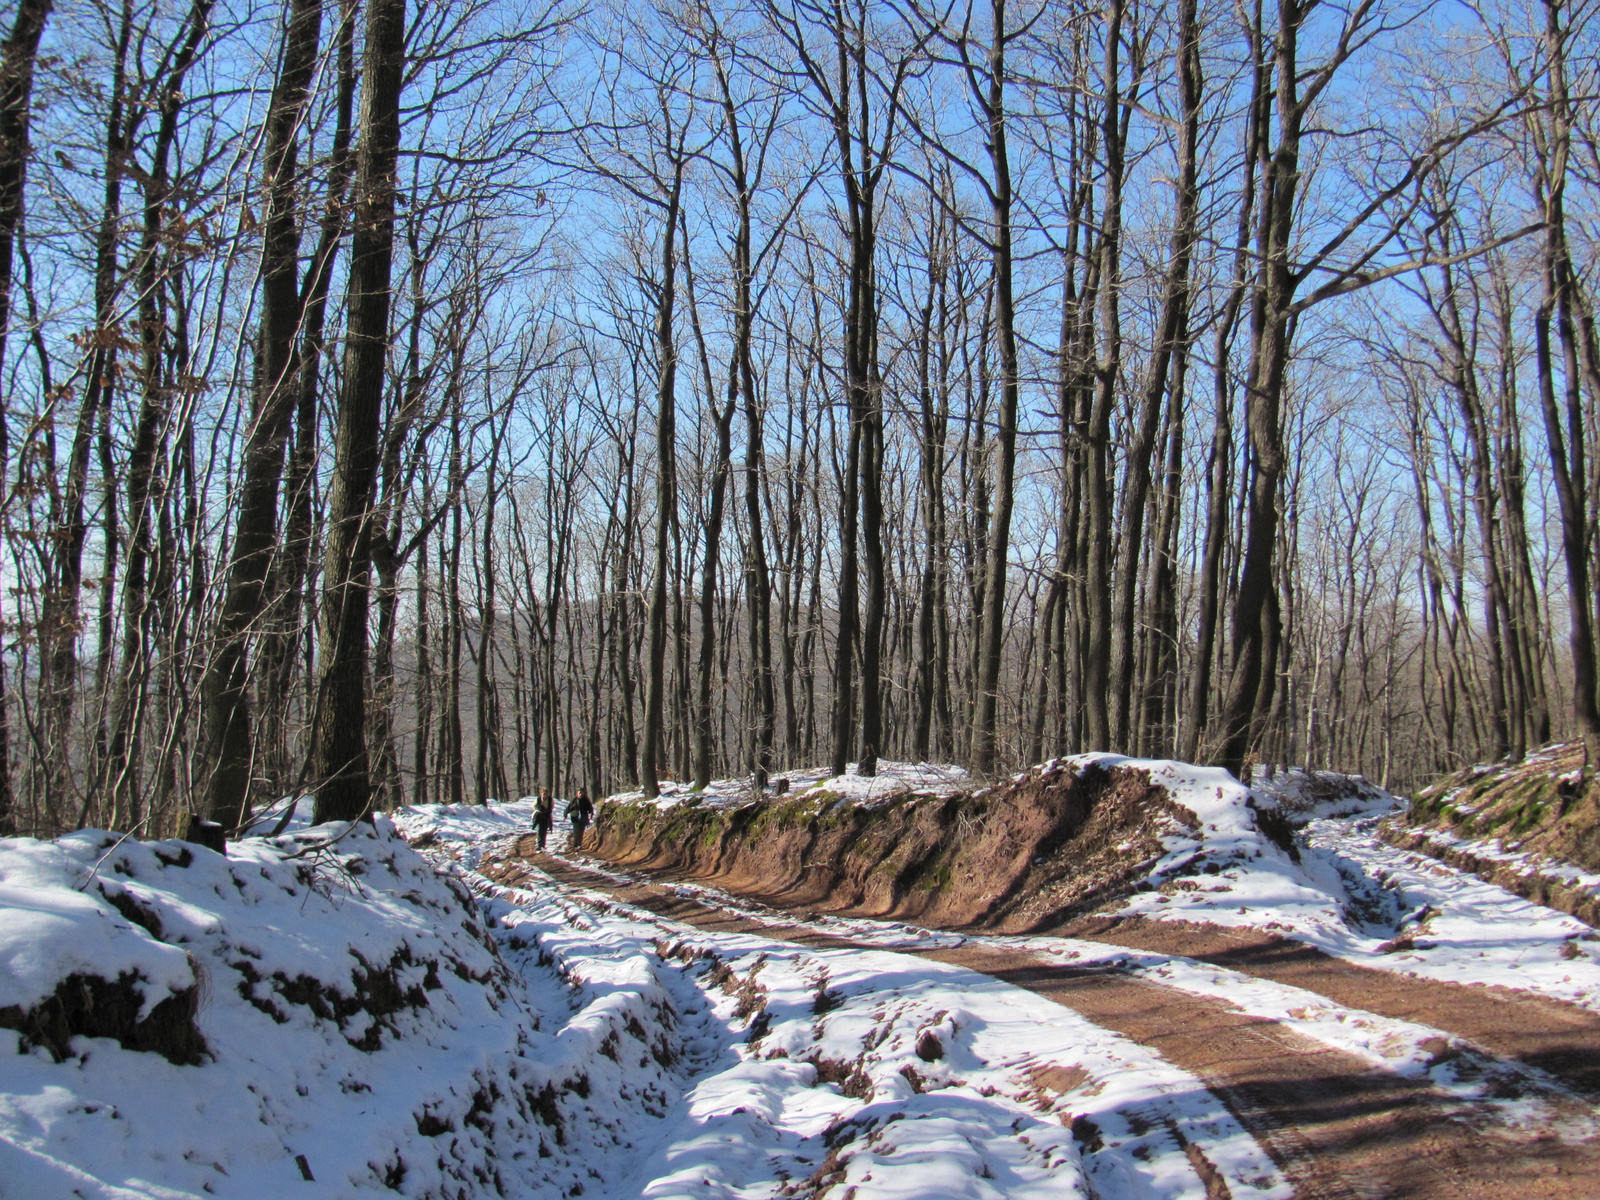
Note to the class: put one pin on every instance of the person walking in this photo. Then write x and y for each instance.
(580, 811)
(544, 815)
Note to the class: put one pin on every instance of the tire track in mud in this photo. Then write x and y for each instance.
(1560, 1039)
(1338, 1129)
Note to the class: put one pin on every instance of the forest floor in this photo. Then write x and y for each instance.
(1502, 1107)
(1384, 1025)
(432, 1007)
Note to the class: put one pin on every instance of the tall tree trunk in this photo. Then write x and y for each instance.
(994, 111)
(61, 609)
(487, 687)
(422, 694)
(339, 730)
(128, 714)
(705, 751)
(1171, 332)
(758, 578)
(450, 737)
(931, 449)
(17, 57)
(1251, 684)
(650, 752)
(1565, 420)
(842, 741)
(1219, 476)
(291, 626)
(1097, 668)
(226, 686)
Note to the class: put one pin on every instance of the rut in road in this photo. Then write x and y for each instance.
(1561, 1039)
(1337, 1128)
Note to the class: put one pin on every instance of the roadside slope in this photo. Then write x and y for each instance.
(1060, 840)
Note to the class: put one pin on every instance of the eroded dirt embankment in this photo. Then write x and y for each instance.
(1059, 843)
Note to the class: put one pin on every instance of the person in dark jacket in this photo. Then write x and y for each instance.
(544, 815)
(580, 811)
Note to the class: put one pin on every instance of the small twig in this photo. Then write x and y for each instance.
(112, 849)
(261, 818)
(331, 841)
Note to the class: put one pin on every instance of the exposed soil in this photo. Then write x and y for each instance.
(1058, 843)
(88, 1006)
(1337, 1128)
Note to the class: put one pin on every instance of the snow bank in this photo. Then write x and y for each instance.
(1325, 877)
(355, 1012)
(1303, 795)
(87, 928)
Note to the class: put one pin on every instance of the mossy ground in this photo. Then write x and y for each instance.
(1544, 804)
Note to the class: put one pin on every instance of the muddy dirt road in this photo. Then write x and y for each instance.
(1338, 1128)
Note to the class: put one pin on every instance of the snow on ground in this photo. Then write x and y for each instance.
(1528, 864)
(1413, 914)
(355, 1006)
(1337, 886)
(935, 1081)
(350, 1011)
(892, 779)
(358, 1011)
(1323, 876)
(1303, 795)
(1450, 1063)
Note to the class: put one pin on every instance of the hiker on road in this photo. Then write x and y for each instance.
(580, 811)
(544, 815)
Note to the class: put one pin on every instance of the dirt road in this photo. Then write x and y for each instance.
(1558, 1038)
(1339, 1129)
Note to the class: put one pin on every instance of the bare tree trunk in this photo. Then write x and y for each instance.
(650, 753)
(1219, 481)
(17, 58)
(128, 714)
(60, 617)
(291, 628)
(1251, 682)
(227, 696)
(721, 467)
(339, 730)
(1567, 445)
(422, 694)
(1170, 337)
(994, 112)
(1097, 681)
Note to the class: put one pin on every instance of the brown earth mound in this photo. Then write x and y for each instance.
(1056, 844)
(1540, 807)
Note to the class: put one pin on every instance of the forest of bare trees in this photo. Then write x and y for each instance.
(422, 402)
